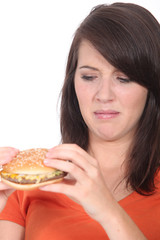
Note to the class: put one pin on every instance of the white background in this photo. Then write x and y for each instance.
(35, 37)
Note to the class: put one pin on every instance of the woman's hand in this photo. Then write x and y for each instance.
(6, 155)
(86, 185)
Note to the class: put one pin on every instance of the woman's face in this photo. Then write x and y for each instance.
(111, 104)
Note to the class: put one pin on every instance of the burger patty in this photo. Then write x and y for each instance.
(32, 179)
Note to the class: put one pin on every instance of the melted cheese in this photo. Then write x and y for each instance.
(36, 178)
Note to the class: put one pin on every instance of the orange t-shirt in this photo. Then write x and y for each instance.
(51, 216)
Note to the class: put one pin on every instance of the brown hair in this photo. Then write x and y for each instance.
(127, 36)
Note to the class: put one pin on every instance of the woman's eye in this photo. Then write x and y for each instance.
(88, 77)
(124, 80)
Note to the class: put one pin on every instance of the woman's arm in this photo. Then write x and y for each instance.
(6, 155)
(89, 189)
(8, 230)
(11, 231)
(118, 224)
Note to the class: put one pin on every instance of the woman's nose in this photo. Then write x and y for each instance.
(105, 91)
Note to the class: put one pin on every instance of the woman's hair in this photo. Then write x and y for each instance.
(128, 37)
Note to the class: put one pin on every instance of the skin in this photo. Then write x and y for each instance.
(111, 106)
(6, 155)
(100, 86)
(91, 176)
(14, 231)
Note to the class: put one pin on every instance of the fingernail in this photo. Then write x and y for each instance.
(47, 155)
(45, 161)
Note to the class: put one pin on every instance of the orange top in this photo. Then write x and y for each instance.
(54, 216)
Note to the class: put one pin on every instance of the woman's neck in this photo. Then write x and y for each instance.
(112, 159)
(109, 154)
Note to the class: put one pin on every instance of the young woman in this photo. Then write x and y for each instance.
(110, 137)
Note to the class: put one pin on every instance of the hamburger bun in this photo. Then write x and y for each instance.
(26, 171)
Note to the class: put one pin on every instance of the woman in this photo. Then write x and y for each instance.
(110, 137)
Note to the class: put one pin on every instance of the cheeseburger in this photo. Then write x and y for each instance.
(26, 171)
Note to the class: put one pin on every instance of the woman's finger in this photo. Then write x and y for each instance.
(6, 154)
(75, 171)
(73, 148)
(73, 153)
(3, 186)
(59, 188)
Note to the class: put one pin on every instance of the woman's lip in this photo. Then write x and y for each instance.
(100, 114)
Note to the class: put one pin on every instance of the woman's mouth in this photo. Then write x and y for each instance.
(108, 114)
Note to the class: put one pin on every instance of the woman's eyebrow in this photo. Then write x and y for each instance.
(89, 67)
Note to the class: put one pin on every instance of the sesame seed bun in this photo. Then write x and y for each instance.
(26, 171)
